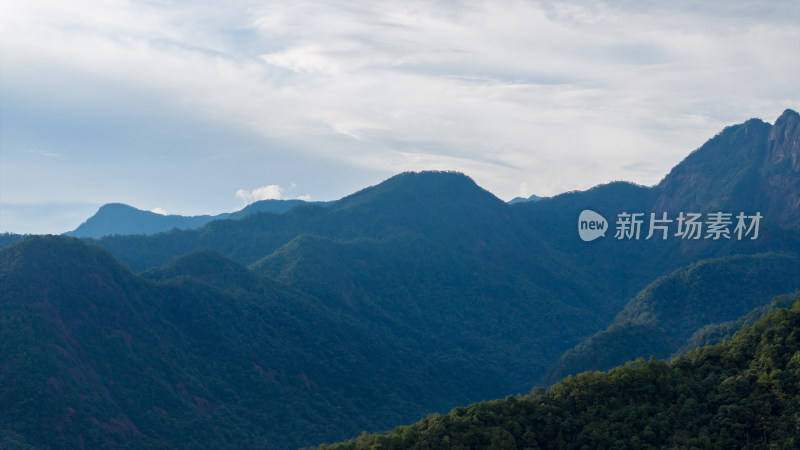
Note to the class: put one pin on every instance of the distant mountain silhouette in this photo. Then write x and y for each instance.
(121, 219)
(532, 198)
(118, 218)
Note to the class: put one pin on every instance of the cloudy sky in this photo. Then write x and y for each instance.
(200, 107)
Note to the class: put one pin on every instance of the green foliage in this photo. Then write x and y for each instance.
(7, 239)
(664, 315)
(207, 354)
(740, 393)
(716, 333)
(429, 259)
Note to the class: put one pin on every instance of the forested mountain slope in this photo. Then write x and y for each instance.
(664, 315)
(742, 393)
(203, 353)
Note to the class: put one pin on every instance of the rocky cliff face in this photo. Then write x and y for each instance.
(781, 171)
(783, 142)
(752, 166)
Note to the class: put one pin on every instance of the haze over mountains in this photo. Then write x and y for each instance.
(118, 218)
(417, 295)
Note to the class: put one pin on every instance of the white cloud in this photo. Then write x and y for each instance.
(159, 211)
(270, 192)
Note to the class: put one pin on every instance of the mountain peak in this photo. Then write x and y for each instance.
(432, 187)
(753, 165)
(208, 266)
(52, 250)
(119, 218)
(788, 114)
(783, 143)
(532, 198)
(440, 205)
(108, 207)
(51, 265)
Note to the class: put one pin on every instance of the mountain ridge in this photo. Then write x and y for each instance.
(412, 296)
(121, 219)
(774, 147)
(753, 165)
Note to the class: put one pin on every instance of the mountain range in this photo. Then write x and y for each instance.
(417, 295)
(120, 219)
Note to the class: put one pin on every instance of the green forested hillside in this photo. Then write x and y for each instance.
(663, 316)
(495, 317)
(203, 354)
(9, 238)
(742, 393)
(715, 333)
(422, 254)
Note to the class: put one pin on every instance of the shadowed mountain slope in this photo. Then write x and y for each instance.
(739, 393)
(206, 355)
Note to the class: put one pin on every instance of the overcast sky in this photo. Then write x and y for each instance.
(200, 107)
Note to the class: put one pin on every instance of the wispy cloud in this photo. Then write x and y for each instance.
(42, 153)
(550, 95)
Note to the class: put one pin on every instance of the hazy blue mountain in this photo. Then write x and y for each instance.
(273, 206)
(532, 198)
(118, 218)
(121, 219)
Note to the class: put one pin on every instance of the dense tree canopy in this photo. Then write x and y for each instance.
(741, 393)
